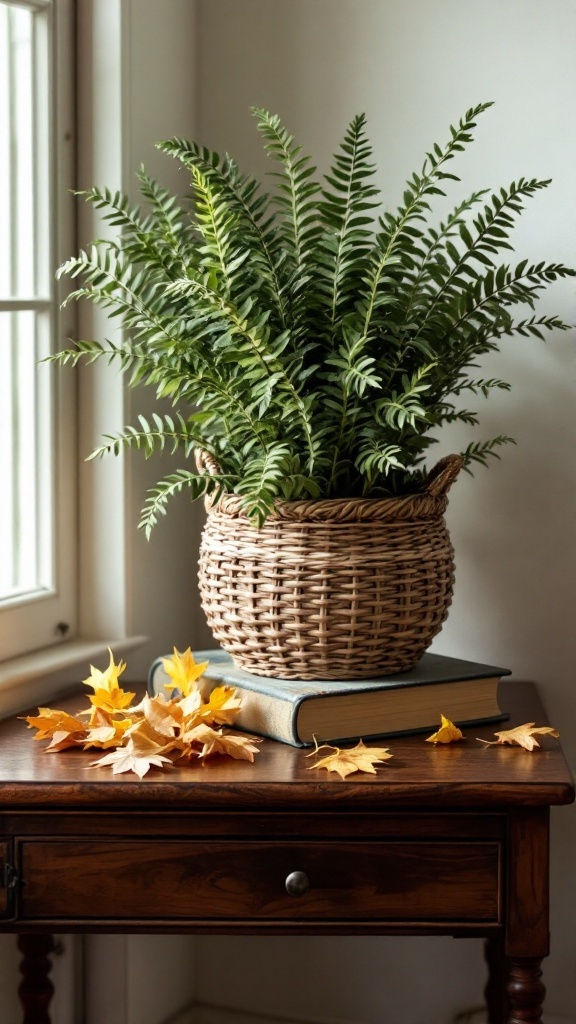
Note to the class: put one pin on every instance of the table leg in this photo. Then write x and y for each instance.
(527, 937)
(495, 990)
(36, 989)
(525, 991)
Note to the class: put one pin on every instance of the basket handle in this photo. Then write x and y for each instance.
(441, 478)
(206, 463)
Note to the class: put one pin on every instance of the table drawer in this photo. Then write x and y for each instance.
(177, 880)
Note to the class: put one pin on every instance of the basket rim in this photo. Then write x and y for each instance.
(428, 503)
(325, 510)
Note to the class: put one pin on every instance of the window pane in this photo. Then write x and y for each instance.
(37, 456)
(17, 129)
(26, 519)
(25, 509)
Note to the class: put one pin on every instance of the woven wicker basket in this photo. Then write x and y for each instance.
(329, 589)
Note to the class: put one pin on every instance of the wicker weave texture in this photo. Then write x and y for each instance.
(337, 589)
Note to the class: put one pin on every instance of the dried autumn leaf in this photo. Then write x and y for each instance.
(359, 759)
(49, 721)
(234, 744)
(237, 745)
(155, 732)
(112, 700)
(108, 694)
(163, 717)
(190, 706)
(521, 736)
(140, 727)
(63, 740)
(183, 671)
(447, 733)
(222, 706)
(107, 680)
(103, 731)
(139, 755)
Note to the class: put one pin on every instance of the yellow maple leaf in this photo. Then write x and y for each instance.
(213, 741)
(359, 759)
(521, 736)
(49, 721)
(222, 706)
(183, 671)
(190, 706)
(108, 679)
(112, 700)
(62, 740)
(141, 727)
(447, 733)
(163, 717)
(108, 694)
(139, 755)
(104, 731)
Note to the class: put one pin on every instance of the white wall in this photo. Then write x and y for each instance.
(162, 102)
(414, 67)
(158, 96)
(137, 87)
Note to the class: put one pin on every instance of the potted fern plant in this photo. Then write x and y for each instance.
(313, 346)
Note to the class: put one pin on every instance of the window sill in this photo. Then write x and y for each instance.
(51, 672)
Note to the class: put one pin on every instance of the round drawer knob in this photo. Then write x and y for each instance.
(297, 883)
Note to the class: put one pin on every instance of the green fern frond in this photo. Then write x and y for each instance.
(152, 438)
(256, 226)
(481, 386)
(197, 484)
(299, 227)
(321, 351)
(480, 451)
(115, 207)
(345, 211)
(222, 254)
(165, 209)
(89, 351)
(375, 460)
(405, 407)
(251, 346)
(396, 230)
(493, 228)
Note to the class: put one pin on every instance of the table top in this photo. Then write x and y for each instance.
(461, 775)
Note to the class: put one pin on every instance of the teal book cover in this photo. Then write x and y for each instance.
(294, 711)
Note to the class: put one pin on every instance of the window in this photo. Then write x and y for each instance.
(36, 470)
(102, 115)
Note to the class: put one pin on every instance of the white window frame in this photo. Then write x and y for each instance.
(39, 660)
(47, 615)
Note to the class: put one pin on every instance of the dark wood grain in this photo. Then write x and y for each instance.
(495, 992)
(5, 860)
(36, 989)
(525, 992)
(442, 840)
(268, 824)
(528, 871)
(388, 881)
(461, 775)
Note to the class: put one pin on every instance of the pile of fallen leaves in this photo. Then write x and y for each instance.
(184, 727)
(363, 759)
(158, 731)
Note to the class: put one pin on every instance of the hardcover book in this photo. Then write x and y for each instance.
(296, 711)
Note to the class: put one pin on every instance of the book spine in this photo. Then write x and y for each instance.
(261, 713)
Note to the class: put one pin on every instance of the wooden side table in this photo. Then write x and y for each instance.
(443, 840)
